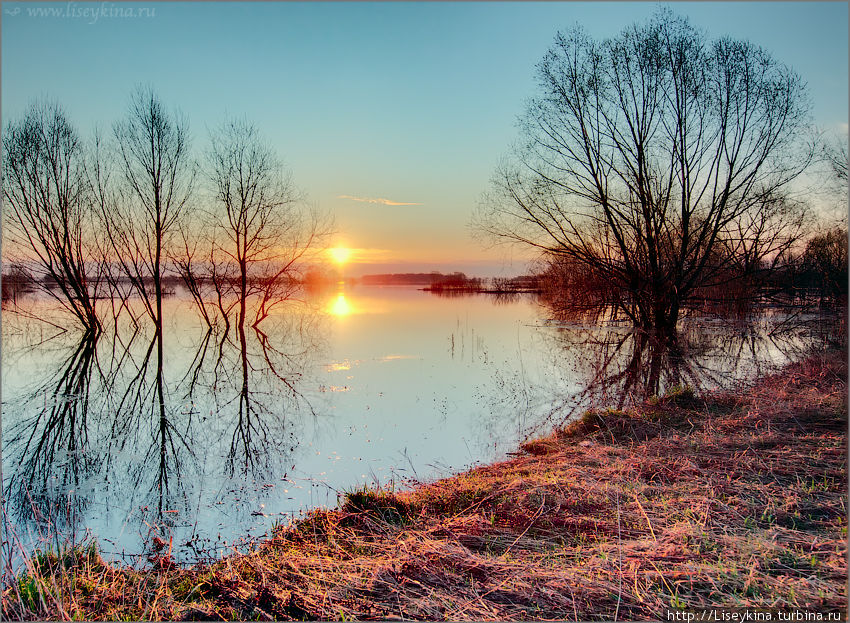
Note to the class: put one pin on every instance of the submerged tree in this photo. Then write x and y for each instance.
(141, 209)
(48, 209)
(155, 175)
(262, 228)
(657, 160)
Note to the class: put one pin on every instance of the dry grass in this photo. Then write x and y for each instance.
(733, 500)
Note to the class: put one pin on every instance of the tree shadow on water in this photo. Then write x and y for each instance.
(50, 445)
(595, 359)
(251, 379)
(109, 434)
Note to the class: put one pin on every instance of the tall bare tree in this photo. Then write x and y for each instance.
(143, 204)
(48, 211)
(155, 175)
(657, 159)
(833, 183)
(263, 228)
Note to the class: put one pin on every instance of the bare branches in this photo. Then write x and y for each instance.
(647, 154)
(48, 215)
(262, 228)
(155, 179)
(836, 155)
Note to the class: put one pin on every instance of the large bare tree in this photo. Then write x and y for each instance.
(48, 209)
(657, 159)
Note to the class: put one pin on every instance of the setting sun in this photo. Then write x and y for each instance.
(340, 255)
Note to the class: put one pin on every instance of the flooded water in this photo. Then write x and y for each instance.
(353, 387)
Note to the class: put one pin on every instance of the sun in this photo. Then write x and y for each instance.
(340, 255)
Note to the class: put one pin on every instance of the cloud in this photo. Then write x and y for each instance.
(381, 200)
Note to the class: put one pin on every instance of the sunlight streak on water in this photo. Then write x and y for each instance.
(337, 366)
(340, 306)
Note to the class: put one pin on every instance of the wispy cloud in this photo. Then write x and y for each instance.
(381, 200)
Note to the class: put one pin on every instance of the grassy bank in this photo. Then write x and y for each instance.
(732, 499)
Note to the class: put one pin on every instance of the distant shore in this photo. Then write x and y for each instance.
(733, 499)
(480, 290)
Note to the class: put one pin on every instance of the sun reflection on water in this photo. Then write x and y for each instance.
(340, 306)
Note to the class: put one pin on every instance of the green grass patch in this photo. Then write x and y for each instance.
(385, 505)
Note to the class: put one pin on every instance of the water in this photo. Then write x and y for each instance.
(346, 388)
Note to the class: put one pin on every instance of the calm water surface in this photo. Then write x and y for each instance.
(361, 386)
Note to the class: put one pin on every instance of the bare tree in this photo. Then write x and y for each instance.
(263, 227)
(48, 209)
(832, 183)
(155, 178)
(658, 160)
(142, 208)
(835, 154)
(824, 264)
(186, 260)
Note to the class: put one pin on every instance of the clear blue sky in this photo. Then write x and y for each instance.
(410, 102)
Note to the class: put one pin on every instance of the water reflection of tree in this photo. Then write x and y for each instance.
(50, 448)
(253, 376)
(96, 431)
(597, 360)
(145, 423)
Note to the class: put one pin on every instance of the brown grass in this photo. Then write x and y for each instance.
(732, 500)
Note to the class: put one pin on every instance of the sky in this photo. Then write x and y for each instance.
(391, 116)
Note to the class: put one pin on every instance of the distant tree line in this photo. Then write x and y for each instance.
(455, 282)
(816, 273)
(412, 279)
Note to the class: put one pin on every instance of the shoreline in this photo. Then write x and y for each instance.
(734, 499)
